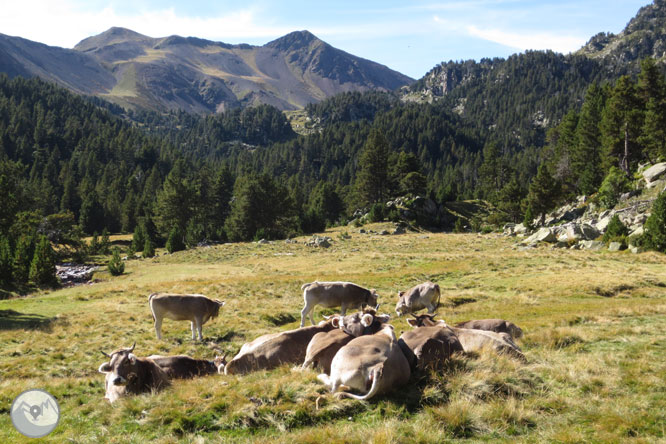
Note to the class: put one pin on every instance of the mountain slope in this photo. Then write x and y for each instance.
(198, 75)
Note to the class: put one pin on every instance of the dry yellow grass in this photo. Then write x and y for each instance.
(593, 325)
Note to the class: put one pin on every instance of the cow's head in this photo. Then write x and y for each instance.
(121, 368)
(401, 306)
(220, 362)
(425, 320)
(215, 309)
(363, 322)
(371, 299)
(334, 320)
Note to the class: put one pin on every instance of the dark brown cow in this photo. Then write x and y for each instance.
(335, 294)
(136, 375)
(496, 325)
(274, 349)
(474, 340)
(429, 347)
(184, 367)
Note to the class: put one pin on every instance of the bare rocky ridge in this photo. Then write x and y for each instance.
(198, 75)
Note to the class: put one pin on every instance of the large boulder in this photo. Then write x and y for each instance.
(592, 245)
(654, 172)
(543, 235)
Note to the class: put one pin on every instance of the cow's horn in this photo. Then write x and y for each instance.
(132, 349)
(105, 354)
(377, 307)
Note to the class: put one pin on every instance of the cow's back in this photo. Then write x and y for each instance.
(180, 307)
(333, 294)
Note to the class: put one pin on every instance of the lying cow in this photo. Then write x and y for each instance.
(274, 349)
(373, 364)
(474, 340)
(425, 295)
(128, 374)
(184, 367)
(496, 325)
(324, 346)
(195, 308)
(429, 347)
(335, 294)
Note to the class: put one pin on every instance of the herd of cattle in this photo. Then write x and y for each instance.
(358, 352)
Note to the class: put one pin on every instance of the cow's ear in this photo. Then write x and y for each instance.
(335, 321)
(105, 368)
(383, 318)
(219, 302)
(400, 293)
(413, 322)
(132, 358)
(366, 320)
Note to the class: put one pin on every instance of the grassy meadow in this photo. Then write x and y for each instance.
(594, 339)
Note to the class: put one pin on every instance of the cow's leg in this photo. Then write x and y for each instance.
(192, 327)
(343, 309)
(158, 327)
(432, 307)
(307, 310)
(199, 327)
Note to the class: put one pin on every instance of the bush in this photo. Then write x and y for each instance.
(614, 184)
(616, 231)
(175, 241)
(376, 213)
(23, 254)
(148, 249)
(6, 261)
(116, 264)
(654, 237)
(528, 218)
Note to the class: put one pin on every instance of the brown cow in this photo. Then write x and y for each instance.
(274, 349)
(429, 347)
(372, 363)
(184, 367)
(335, 294)
(135, 375)
(496, 325)
(474, 340)
(425, 295)
(195, 308)
(323, 346)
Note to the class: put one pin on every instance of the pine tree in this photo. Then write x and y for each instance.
(22, 258)
(105, 242)
(175, 241)
(586, 161)
(654, 237)
(91, 217)
(42, 267)
(116, 265)
(372, 178)
(175, 203)
(6, 261)
(148, 249)
(544, 192)
(138, 238)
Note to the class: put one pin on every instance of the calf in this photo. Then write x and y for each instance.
(429, 347)
(184, 367)
(474, 340)
(135, 375)
(425, 295)
(324, 346)
(373, 364)
(274, 349)
(496, 325)
(195, 308)
(335, 294)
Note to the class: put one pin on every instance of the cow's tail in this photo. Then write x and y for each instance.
(439, 295)
(376, 375)
(150, 304)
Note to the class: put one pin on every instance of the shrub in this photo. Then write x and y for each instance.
(654, 237)
(6, 261)
(42, 267)
(104, 243)
(175, 241)
(614, 184)
(116, 264)
(376, 213)
(459, 226)
(148, 249)
(528, 218)
(23, 254)
(616, 231)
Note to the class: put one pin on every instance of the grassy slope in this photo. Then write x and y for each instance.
(593, 326)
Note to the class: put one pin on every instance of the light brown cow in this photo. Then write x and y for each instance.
(195, 308)
(324, 346)
(425, 295)
(335, 294)
(496, 325)
(128, 374)
(184, 367)
(429, 347)
(373, 364)
(274, 349)
(474, 340)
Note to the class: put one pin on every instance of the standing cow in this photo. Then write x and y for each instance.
(195, 308)
(129, 374)
(335, 294)
(425, 295)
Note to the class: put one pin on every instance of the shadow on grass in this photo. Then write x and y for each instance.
(14, 320)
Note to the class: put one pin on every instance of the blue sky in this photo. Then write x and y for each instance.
(408, 36)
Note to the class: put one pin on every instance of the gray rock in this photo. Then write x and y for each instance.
(654, 172)
(636, 230)
(634, 249)
(383, 233)
(614, 246)
(399, 230)
(581, 232)
(520, 229)
(591, 245)
(543, 235)
(603, 222)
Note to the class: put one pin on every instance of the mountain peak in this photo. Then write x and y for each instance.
(294, 40)
(112, 35)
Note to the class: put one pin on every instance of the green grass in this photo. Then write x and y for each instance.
(594, 340)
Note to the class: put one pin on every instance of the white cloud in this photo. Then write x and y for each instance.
(63, 23)
(529, 40)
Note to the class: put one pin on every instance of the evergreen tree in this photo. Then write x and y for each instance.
(615, 183)
(138, 238)
(175, 241)
(586, 161)
(42, 267)
(654, 237)
(148, 249)
(6, 261)
(175, 203)
(616, 231)
(22, 258)
(116, 265)
(105, 242)
(91, 217)
(528, 218)
(509, 200)
(652, 93)
(544, 192)
(372, 179)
